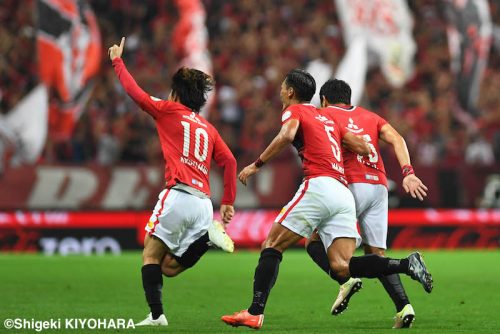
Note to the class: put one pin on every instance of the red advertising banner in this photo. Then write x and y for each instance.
(93, 187)
(68, 232)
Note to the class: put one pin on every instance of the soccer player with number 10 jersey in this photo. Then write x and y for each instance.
(178, 230)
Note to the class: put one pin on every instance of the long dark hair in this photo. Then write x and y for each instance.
(191, 87)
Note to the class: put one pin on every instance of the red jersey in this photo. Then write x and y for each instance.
(359, 121)
(188, 141)
(318, 142)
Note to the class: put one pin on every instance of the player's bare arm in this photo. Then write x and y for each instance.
(284, 138)
(411, 183)
(355, 144)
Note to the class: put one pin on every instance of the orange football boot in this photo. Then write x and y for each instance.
(243, 318)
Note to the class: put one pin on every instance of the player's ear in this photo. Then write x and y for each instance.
(173, 96)
(324, 102)
(290, 92)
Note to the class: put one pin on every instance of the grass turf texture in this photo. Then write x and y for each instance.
(466, 296)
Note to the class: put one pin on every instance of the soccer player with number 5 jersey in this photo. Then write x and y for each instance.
(323, 202)
(178, 230)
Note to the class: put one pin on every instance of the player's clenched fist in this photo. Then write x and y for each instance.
(116, 50)
(226, 213)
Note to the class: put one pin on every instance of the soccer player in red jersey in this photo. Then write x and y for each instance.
(177, 230)
(317, 138)
(368, 183)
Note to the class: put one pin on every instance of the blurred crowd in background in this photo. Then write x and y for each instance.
(253, 44)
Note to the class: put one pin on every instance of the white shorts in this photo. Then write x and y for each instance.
(179, 219)
(371, 210)
(325, 204)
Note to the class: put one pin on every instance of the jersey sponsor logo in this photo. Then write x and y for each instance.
(197, 183)
(155, 99)
(353, 127)
(195, 164)
(323, 119)
(193, 118)
(371, 177)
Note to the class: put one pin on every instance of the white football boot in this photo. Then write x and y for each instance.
(346, 291)
(218, 237)
(405, 317)
(149, 321)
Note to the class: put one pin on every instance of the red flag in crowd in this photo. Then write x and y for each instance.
(190, 40)
(69, 51)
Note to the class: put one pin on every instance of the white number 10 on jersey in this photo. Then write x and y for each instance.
(199, 153)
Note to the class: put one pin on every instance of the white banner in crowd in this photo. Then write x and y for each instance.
(470, 30)
(376, 33)
(69, 56)
(25, 126)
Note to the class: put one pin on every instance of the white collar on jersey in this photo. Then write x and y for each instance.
(344, 109)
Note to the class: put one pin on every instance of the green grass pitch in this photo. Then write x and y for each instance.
(466, 296)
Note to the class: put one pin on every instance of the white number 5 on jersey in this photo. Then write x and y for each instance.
(335, 146)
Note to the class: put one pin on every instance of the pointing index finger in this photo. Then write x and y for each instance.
(122, 42)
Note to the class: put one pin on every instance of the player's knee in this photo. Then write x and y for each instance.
(170, 272)
(340, 267)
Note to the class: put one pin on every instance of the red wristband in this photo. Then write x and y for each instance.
(407, 170)
(259, 163)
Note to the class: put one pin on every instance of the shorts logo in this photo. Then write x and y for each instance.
(151, 224)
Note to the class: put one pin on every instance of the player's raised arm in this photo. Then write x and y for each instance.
(224, 158)
(146, 102)
(411, 183)
(284, 138)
